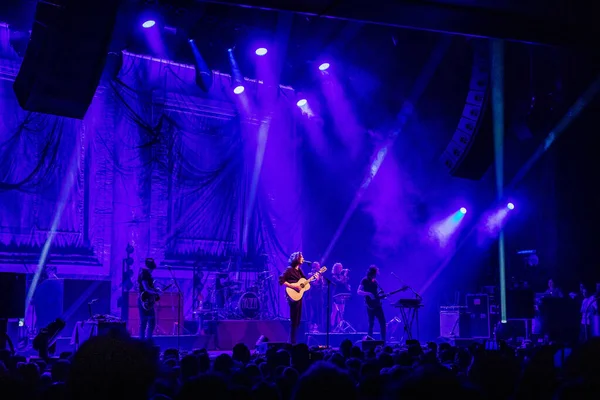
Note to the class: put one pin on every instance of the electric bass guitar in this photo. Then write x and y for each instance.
(148, 299)
(304, 286)
(374, 303)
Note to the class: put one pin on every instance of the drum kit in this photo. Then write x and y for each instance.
(231, 300)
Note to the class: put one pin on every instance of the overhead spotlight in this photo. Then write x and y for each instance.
(324, 67)
(510, 206)
(149, 24)
(463, 210)
(238, 89)
(301, 102)
(261, 51)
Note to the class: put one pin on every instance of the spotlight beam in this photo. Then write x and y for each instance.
(283, 29)
(406, 111)
(498, 123)
(570, 116)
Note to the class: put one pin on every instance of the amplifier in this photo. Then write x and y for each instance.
(454, 324)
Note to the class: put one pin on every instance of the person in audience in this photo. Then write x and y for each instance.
(123, 368)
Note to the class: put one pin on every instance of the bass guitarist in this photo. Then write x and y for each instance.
(290, 277)
(146, 285)
(369, 288)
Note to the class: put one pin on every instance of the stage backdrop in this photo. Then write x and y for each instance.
(157, 164)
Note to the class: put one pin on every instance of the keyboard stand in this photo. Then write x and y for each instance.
(410, 315)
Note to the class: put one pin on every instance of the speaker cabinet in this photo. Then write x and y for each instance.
(454, 324)
(65, 56)
(12, 295)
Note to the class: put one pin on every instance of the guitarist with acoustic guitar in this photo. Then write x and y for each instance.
(296, 284)
(370, 289)
(148, 293)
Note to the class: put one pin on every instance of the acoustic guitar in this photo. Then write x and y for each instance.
(304, 286)
(375, 303)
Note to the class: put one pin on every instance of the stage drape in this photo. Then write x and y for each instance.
(155, 163)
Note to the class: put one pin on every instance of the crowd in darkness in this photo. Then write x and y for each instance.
(113, 368)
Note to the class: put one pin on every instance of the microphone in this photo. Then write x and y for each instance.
(93, 301)
(307, 262)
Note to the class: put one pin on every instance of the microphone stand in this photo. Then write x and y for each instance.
(179, 295)
(417, 295)
(327, 322)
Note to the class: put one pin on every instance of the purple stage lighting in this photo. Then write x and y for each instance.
(261, 51)
(510, 206)
(324, 66)
(301, 102)
(149, 24)
(238, 89)
(463, 210)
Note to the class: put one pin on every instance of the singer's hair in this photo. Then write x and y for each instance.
(337, 268)
(294, 259)
(372, 271)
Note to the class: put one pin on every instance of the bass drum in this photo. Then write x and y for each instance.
(246, 305)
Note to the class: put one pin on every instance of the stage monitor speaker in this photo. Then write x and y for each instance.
(262, 348)
(65, 56)
(367, 345)
(12, 295)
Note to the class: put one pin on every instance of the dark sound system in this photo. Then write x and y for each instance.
(65, 56)
(13, 290)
